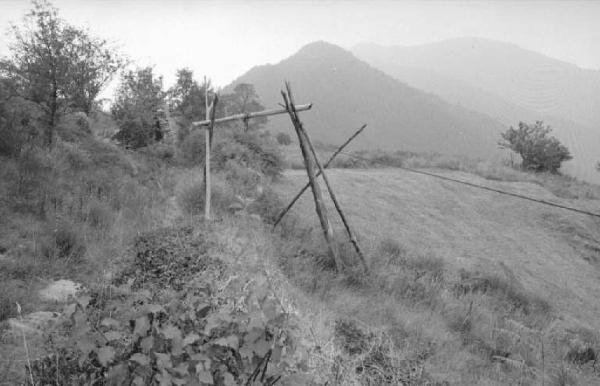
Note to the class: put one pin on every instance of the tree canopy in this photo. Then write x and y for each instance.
(57, 66)
(138, 103)
(540, 151)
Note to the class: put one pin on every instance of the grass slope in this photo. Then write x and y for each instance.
(550, 252)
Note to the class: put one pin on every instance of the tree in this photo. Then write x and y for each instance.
(137, 108)
(187, 97)
(283, 139)
(245, 100)
(18, 120)
(56, 65)
(539, 151)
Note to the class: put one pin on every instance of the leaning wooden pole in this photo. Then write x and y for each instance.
(329, 161)
(351, 236)
(308, 163)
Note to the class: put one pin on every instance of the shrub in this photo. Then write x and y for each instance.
(18, 121)
(539, 151)
(268, 206)
(66, 241)
(515, 298)
(251, 149)
(160, 151)
(242, 179)
(11, 291)
(191, 198)
(192, 148)
(283, 139)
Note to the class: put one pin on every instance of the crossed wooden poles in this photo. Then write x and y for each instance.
(310, 161)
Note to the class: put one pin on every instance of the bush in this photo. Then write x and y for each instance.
(64, 242)
(268, 206)
(191, 198)
(283, 139)
(192, 148)
(539, 151)
(18, 121)
(251, 149)
(243, 180)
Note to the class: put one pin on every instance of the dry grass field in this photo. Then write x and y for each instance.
(543, 262)
(548, 250)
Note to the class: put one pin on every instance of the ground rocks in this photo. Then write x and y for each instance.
(60, 291)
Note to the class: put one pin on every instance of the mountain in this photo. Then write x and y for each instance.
(347, 92)
(507, 83)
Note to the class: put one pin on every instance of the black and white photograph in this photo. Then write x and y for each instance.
(282, 193)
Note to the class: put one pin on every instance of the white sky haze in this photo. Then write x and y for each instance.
(224, 39)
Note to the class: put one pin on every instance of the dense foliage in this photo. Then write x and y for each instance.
(539, 151)
(57, 66)
(172, 319)
(137, 108)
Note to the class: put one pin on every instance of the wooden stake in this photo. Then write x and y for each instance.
(211, 126)
(206, 157)
(329, 161)
(308, 162)
(351, 236)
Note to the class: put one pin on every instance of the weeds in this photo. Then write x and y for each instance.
(517, 299)
(191, 198)
(65, 241)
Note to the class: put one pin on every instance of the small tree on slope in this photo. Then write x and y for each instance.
(539, 151)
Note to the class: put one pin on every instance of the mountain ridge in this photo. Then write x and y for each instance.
(477, 91)
(347, 92)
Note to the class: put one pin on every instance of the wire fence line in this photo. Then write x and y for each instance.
(473, 185)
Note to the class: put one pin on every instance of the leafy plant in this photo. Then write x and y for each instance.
(539, 151)
(207, 330)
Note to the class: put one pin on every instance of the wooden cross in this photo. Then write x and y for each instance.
(208, 125)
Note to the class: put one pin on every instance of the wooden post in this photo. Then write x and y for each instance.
(301, 192)
(308, 162)
(256, 114)
(351, 236)
(207, 157)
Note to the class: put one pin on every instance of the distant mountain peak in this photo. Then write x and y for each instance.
(322, 48)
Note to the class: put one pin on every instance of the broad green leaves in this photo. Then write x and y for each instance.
(211, 331)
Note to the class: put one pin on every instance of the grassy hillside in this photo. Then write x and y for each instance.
(474, 73)
(347, 92)
(524, 273)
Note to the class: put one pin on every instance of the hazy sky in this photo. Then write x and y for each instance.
(223, 39)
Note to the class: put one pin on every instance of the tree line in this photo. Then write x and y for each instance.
(55, 68)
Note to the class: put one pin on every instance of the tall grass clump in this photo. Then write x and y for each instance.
(191, 197)
(65, 240)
